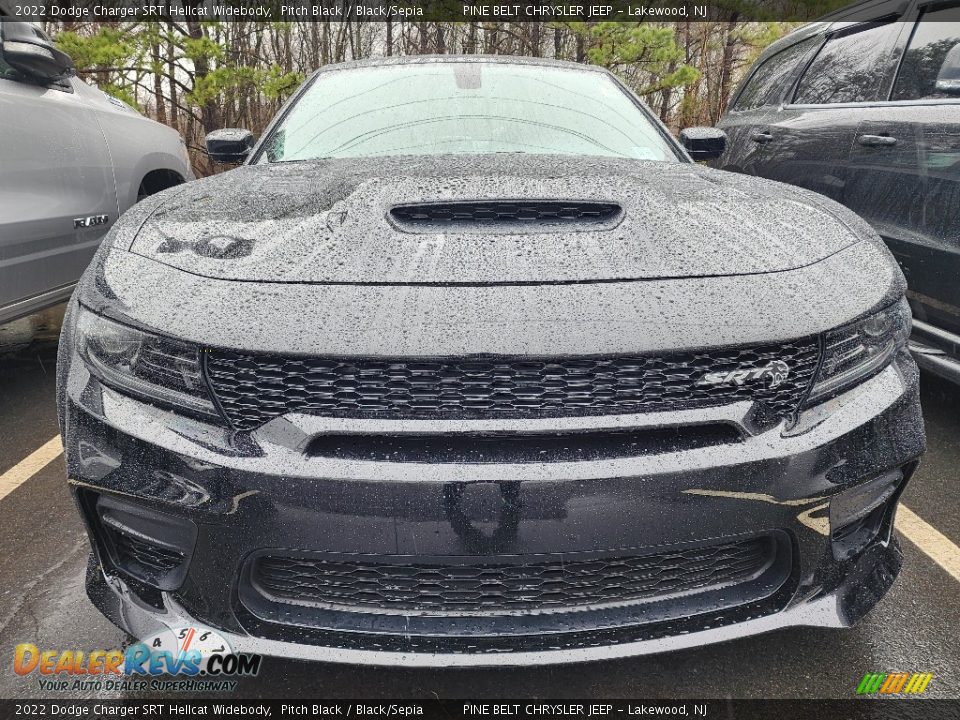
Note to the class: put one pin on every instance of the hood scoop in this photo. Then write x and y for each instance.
(505, 215)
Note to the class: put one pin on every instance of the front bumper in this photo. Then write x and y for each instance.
(824, 488)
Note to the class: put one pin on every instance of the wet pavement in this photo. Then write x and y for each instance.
(42, 600)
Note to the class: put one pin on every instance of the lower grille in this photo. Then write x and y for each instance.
(253, 389)
(545, 583)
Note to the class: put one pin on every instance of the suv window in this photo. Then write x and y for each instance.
(849, 68)
(765, 85)
(935, 35)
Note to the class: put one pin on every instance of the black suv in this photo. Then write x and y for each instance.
(865, 109)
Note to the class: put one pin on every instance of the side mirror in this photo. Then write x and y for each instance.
(230, 145)
(704, 143)
(28, 49)
(948, 79)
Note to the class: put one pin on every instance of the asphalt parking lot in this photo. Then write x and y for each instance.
(44, 550)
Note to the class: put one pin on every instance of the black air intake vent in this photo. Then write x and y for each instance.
(143, 558)
(149, 546)
(505, 213)
(507, 585)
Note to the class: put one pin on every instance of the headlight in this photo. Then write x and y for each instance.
(854, 352)
(148, 366)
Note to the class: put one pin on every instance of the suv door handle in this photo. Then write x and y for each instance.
(876, 140)
(761, 137)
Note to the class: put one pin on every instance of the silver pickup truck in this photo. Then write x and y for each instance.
(72, 159)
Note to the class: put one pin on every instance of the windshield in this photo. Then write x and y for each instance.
(465, 108)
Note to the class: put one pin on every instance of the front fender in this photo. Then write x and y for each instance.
(127, 136)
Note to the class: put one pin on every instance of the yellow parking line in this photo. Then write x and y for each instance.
(30, 466)
(930, 540)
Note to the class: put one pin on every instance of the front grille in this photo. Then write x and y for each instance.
(551, 583)
(253, 389)
(541, 212)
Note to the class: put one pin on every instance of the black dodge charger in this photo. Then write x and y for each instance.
(471, 364)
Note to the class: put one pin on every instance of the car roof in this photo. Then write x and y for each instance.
(463, 59)
(854, 14)
(867, 10)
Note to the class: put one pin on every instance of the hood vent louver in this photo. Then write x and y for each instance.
(506, 214)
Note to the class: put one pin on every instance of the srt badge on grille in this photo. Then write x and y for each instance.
(776, 372)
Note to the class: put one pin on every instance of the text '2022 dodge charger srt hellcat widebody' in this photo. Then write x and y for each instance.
(471, 364)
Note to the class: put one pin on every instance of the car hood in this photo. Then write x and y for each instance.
(331, 222)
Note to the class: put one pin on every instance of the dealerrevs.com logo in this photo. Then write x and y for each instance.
(199, 659)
